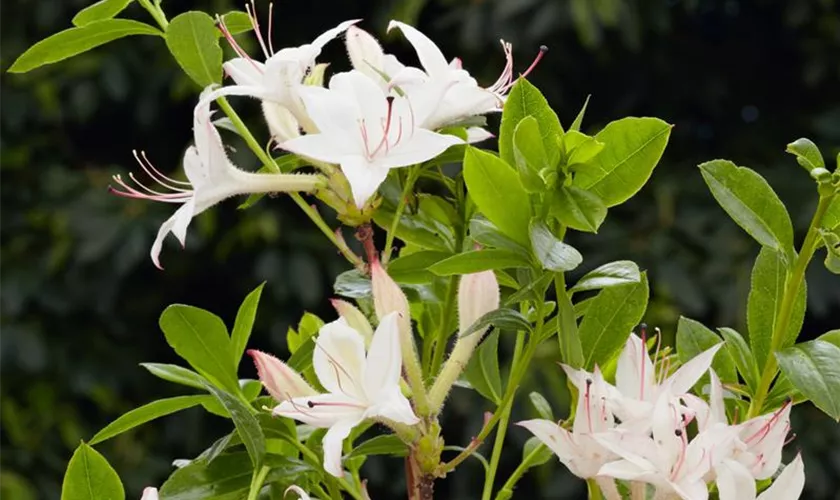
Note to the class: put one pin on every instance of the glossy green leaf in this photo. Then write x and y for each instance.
(246, 424)
(580, 149)
(486, 233)
(244, 324)
(633, 147)
(380, 445)
(104, 9)
(146, 413)
(74, 41)
(525, 100)
(807, 154)
(301, 360)
(495, 188)
(420, 231)
(832, 250)
(192, 38)
(571, 350)
(176, 374)
(552, 253)
(615, 273)
(694, 338)
(579, 118)
(236, 22)
(277, 427)
(831, 218)
(743, 357)
(614, 312)
(478, 260)
(541, 405)
(751, 203)
(414, 268)
(201, 338)
(482, 371)
(782, 391)
(814, 368)
(767, 285)
(577, 208)
(832, 337)
(503, 319)
(529, 154)
(352, 284)
(90, 477)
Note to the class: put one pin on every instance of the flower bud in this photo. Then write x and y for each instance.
(278, 379)
(281, 121)
(365, 53)
(149, 493)
(478, 294)
(387, 297)
(354, 318)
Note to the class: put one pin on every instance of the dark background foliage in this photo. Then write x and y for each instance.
(80, 298)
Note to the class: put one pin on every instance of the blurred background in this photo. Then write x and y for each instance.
(80, 297)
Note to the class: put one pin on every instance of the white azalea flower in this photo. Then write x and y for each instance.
(736, 482)
(359, 386)
(365, 132)
(212, 178)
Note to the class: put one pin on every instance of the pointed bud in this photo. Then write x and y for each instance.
(387, 296)
(150, 493)
(365, 53)
(478, 294)
(278, 379)
(281, 121)
(355, 318)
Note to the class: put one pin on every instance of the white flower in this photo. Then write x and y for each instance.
(149, 493)
(359, 386)
(735, 482)
(212, 178)
(277, 81)
(282, 382)
(579, 450)
(302, 495)
(365, 132)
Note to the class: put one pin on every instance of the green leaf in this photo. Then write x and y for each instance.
(614, 312)
(782, 390)
(751, 203)
(478, 260)
(694, 338)
(277, 427)
(814, 368)
(577, 208)
(767, 286)
(831, 218)
(176, 374)
(380, 445)
(541, 405)
(552, 253)
(832, 250)
(486, 233)
(414, 268)
(246, 424)
(244, 324)
(482, 371)
(580, 149)
(615, 273)
(496, 190)
(104, 9)
(146, 413)
(90, 477)
(201, 338)
(74, 41)
(192, 38)
(525, 100)
(502, 319)
(807, 154)
(571, 349)
(301, 360)
(832, 337)
(579, 118)
(543, 452)
(352, 284)
(420, 230)
(236, 22)
(633, 147)
(529, 154)
(740, 353)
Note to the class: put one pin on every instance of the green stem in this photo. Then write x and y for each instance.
(297, 198)
(507, 488)
(413, 174)
(156, 12)
(594, 490)
(331, 481)
(257, 481)
(792, 285)
(443, 333)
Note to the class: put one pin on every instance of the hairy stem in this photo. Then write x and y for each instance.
(792, 285)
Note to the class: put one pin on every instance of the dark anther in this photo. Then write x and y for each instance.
(390, 99)
(310, 404)
(588, 382)
(678, 432)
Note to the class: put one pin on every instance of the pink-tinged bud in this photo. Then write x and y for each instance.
(355, 318)
(149, 493)
(387, 296)
(279, 380)
(365, 53)
(478, 294)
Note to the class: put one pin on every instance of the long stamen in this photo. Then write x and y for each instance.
(586, 397)
(363, 130)
(540, 54)
(156, 175)
(270, 27)
(161, 174)
(387, 127)
(252, 14)
(643, 351)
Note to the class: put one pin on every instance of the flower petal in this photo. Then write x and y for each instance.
(429, 54)
(422, 146)
(688, 374)
(245, 71)
(384, 362)
(364, 177)
(478, 134)
(626, 470)
(392, 405)
(634, 376)
(734, 481)
(559, 440)
(327, 36)
(365, 53)
(339, 360)
(322, 410)
(302, 495)
(149, 493)
(177, 224)
(332, 443)
(789, 484)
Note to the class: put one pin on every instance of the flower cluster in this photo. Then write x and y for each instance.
(380, 115)
(648, 429)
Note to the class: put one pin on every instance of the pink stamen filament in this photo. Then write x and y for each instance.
(680, 432)
(270, 27)
(540, 54)
(179, 195)
(762, 432)
(252, 14)
(157, 175)
(586, 401)
(386, 128)
(234, 44)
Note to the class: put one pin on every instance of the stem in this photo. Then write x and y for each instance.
(156, 12)
(445, 319)
(413, 174)
(331, 480)
(257, 482)
(792, 285)
(298, 199)
(507, 488)
(594, 490)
